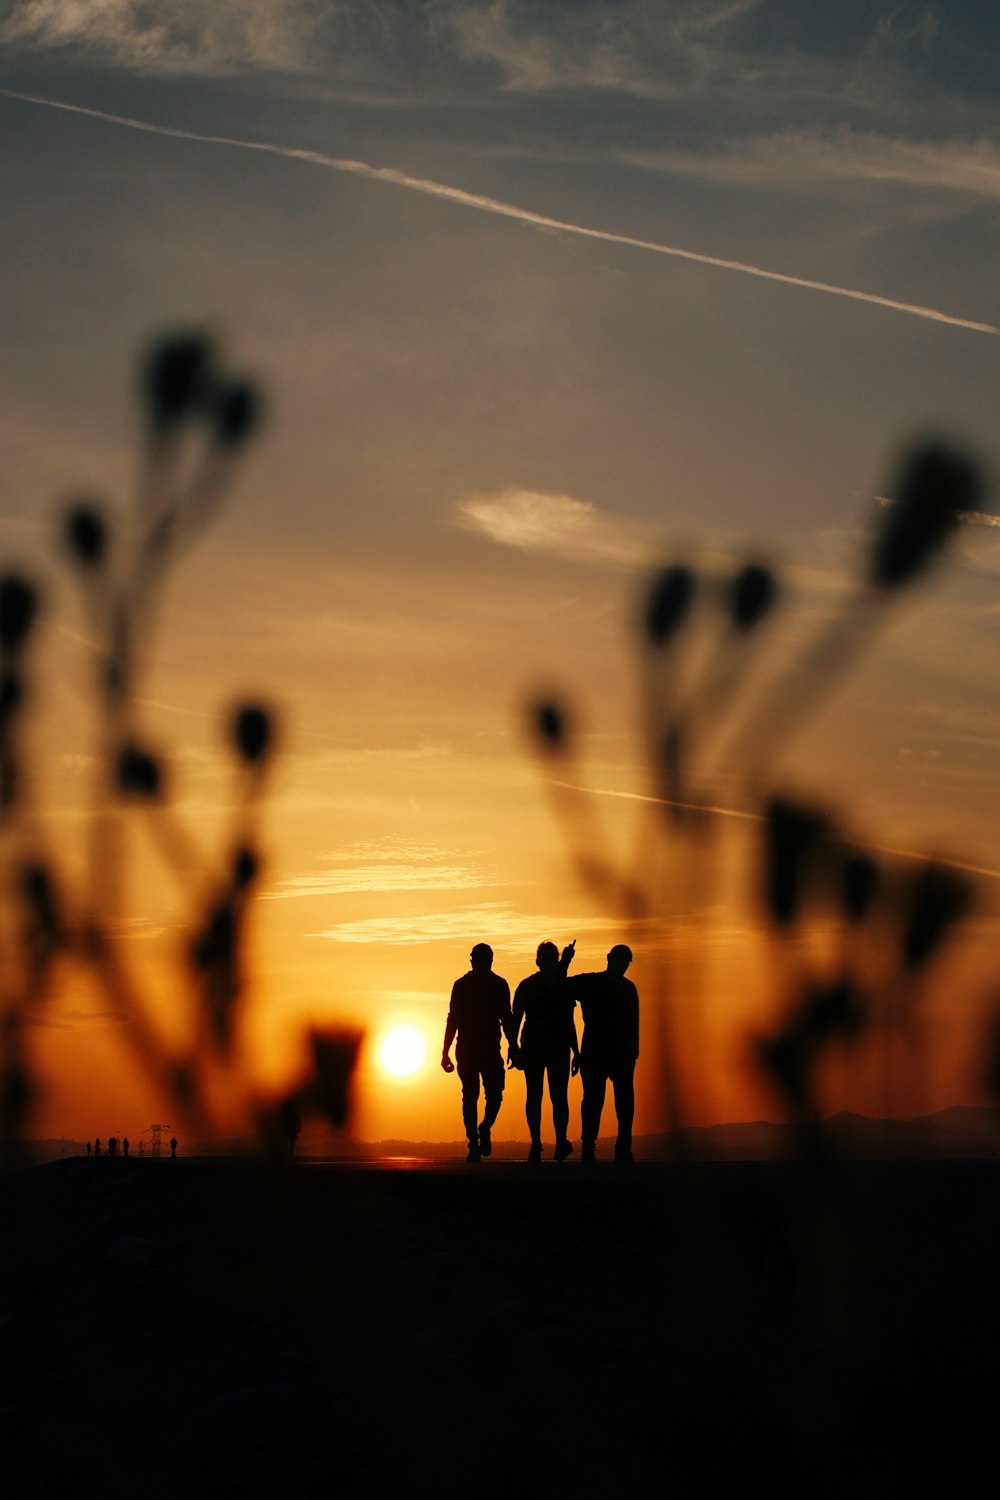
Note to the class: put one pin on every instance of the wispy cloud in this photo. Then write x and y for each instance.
(493, 921)
(537, 521)
(966, 517)
(802, 159)
(719, 54)
(483, 204)
(508, 929)
(650, 51)
(557, 525)
(382, 878)
(389, 849)
(185, 36)
(389, 864)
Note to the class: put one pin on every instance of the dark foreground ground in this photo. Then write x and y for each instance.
(199, 1327)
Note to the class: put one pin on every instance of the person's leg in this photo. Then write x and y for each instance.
(534, 1075)
(558, 1070)
(595, 1081)
(469, 1076)
(493, 1082)
(623, 1080)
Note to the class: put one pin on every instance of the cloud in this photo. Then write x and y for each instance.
(973, 547)
(506, 928)
(903, 32)
(381, 878)
(650, 51)
(800, 160)
(186, 36)
(390, 849)
(710, 54)
(390, 864)
(557, 525)
(493, 921)
(537, 521)
(483, 204)
(135, 928)
(966, 517)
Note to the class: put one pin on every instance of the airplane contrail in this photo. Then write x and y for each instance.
(755, 817)
(504, 210)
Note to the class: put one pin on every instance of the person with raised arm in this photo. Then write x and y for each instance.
(548, 1045)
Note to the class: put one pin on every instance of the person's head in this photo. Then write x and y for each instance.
(619, 959)
(482, 958)
(547, 957)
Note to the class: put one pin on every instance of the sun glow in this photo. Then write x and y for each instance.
(402, 1051)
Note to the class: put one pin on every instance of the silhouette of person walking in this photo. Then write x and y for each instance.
(548, 1046)
(479, 1010)
(112, 1145)
(97, 1146)
(125, 1145)
(173, 1145)
(88, 1148)
(610, 1048)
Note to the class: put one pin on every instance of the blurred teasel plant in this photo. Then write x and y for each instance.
(199, 420)
(851, 931)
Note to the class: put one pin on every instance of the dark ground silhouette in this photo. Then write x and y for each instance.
(353, 1331)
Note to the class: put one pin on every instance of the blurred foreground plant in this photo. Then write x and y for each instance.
(199, 418)
(850, 937)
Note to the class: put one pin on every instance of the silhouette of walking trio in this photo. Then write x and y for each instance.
(540, 1029)
(114, 1145)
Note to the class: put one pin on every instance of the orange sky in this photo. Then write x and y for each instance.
(383, 866)
(481, 431)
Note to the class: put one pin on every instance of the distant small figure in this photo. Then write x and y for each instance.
(548, 1045)
(173, 1145)
(88, 1148)
(112, 1145)
(291, 1124)
(610, 1049)
(141, 1151)
(97, 1146)
(125, 1145)
(479, 1010)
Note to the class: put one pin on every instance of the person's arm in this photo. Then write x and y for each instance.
(512, 1026)
(450, 1028)
(565, 959)
(633, 1023)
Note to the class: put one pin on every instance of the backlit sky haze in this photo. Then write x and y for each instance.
(481, 430)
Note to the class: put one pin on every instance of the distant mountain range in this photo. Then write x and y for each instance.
(961, 1133)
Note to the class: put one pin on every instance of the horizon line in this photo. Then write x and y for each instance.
(518, 1141)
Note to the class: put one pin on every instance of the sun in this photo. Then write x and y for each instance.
(402, 1051)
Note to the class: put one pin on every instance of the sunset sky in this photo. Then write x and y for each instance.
(538, 295)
